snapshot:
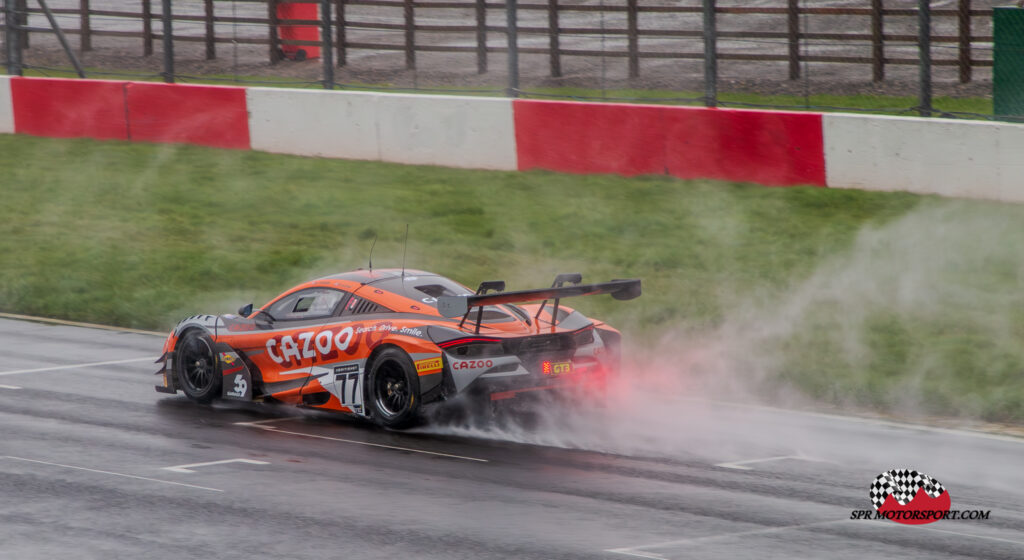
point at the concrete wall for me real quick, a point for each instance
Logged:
(935, 156)
(6, 107)
(415, 129)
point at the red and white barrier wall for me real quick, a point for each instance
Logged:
(778, 148)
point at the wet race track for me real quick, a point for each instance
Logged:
(95, 464)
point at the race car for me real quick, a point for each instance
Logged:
(383, 343)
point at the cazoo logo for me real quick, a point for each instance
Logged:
(307, 346)
(473, 364)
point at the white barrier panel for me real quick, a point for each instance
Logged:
(446, 130)
(6, 106)
(452, 131)
(313, 123)
(934, 156)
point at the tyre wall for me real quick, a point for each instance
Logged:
(777, 148)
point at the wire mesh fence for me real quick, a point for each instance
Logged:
(898, 56)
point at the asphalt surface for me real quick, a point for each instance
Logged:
(87, 457)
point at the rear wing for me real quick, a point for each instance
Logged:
(460, 306)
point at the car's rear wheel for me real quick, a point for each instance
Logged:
(196, 367)
(394, 390)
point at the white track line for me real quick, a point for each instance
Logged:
(268, 421)
(9, 387)
(188, 468)
(636, 550)
(357, 442)
(112, 473)
(741, 465)
(77, 324)
(76, 366)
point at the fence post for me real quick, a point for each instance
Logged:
(924, 45)
(211, 44)
(22, 18)
(147, 28)
(481, 36)
(512, 33)
(85, 29)
(554, 45)
(710, 55)
(326, 49)
(168, 43)
(634, 39)
(11, 39)
(8, 33)
(964, 24)
(410, 35)
(877, 41)
(342, 37)
(793, 26)
(272, 39)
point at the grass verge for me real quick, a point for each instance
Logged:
(886, 300)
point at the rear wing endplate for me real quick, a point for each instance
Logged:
(459, 306)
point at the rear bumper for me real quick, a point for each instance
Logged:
(591, 381)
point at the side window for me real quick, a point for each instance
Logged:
(313, 303)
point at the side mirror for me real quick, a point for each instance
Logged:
(245, 310)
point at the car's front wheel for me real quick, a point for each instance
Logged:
(196, 367)
(394, 390)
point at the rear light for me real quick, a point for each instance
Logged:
(473, 347)
(470, 340)
(584, 336)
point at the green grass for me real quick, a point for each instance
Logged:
(875, 104)
(885, 300)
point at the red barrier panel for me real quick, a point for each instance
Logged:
(206, 115)
(62, 108)
(589, 137)
(765, 147)
(689, 142)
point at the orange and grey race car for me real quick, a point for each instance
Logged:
(382, 343)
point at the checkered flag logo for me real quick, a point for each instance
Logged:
(903, 484)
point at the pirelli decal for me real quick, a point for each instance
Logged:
(428, 366)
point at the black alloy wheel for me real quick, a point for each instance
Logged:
(196, 367)
(394, 390)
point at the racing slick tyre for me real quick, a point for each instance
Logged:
(196, 367)
(394, 390)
